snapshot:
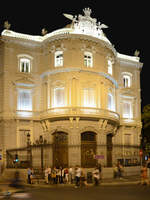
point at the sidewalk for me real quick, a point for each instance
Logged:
(105, 182)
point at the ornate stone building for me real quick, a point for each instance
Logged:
(72, 87)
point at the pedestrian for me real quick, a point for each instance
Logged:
(148, 170)
(54, 175)
(29, 173)
(120, 170)
(96, 176)
(70, 175)
(66, 175)
(115, 171)
(46, 175)
(49, 174)
(144, 179)
(77, 176)
(83, 181)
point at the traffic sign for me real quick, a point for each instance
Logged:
(141, 153)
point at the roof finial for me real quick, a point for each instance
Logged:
(44, 31)
(7, 25)
(87, 11)
(136, 53)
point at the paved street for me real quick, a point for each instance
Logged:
(126, 192)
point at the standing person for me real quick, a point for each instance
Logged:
(115, 171)
(70, 175)
(77, 176)
(54, 175)
(66, 175)
(144, 179)
(120, 170)
(46, 175)
(49, 174)
(96, 176)
(29, 173)
(148, 169)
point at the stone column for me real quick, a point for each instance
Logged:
(101, 146)
(74, 143)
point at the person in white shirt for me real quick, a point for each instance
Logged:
(77, 176)
(96, 176)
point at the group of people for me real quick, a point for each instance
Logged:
(72, 175)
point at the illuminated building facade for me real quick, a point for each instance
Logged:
(72, 87)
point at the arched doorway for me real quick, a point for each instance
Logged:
(88, 149)
(60, 149)
(109, 150)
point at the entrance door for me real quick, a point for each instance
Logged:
(60, 149)
(88, 149)
(109, 150)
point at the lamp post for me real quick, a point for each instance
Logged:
(41, 142)
(29, 153)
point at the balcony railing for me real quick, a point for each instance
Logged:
(80, 112)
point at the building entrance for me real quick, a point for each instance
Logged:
(109, 150)
(60, 149)
(88, 149)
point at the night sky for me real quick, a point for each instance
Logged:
(128, 23)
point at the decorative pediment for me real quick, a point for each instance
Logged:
(24, 82)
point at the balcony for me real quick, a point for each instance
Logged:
(82, 112)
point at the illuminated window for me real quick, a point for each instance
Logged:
(127, 110)
(111, 105)
(58, 58)
(59, 97)
(110, 67)
(88, 59)
(24, 100)
(25, 65)
(126, 81)
(89, 97)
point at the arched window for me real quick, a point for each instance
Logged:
(88, 59)
(58, 58)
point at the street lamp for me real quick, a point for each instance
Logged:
(29, 152)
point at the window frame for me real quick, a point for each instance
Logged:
(25, 57)
(20, 105)
(88, 59)
(59, 61)
(54, 104)
(109, 67)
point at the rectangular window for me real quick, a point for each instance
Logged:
(109, 67)
(59, 97)
(88, 60)
(25, 65)
(24, 100)
(111, 103)
(58, 58)
(126, 81)
(89, 97)
(127, 112)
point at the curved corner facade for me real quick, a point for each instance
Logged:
(76, 92)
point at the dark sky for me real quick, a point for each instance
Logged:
(128, 23)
